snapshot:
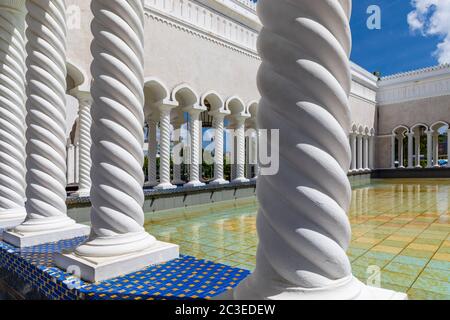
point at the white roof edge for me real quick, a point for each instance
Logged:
(363, 77)
(416, 75)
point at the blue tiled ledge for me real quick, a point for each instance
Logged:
(181, 279)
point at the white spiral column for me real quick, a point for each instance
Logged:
(85, 162)
(177, 180)
(194, 124)
(360, 152)
(429, 149)
(12, 113)
(366, 153)
(164, 147)
(353, 151)
(47, 219)
(410, 149)
(417, 150)
(304, 82)
(218, 125)
(152, 150)
(372, 152)
(435, 148)
(400, 151)
(393, 139)
(240, 148)
(118, 241)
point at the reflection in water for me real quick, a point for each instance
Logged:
(400, 226)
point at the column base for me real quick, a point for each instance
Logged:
(30, 239)
(101, 269)
(219, 182)
(151, 184)
(12, 218)
(10, 223)
(165, 186)
(240, 180)
(194, 184)
(345, 289)
(178, 182)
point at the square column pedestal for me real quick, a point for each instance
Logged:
(31, 239)
(101, 269)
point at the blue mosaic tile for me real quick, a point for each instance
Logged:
(184, 278)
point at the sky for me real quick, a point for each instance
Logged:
(413, 34)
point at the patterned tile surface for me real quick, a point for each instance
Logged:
(185, 278)
(400, 227)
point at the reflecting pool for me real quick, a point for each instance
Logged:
(400, 234)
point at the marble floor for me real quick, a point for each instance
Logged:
(401, 234)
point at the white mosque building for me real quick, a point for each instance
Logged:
(201, 56)
(192, 65)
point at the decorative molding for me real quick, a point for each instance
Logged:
(418, 72)
(189, 16)
(414, 90)
(216, 40)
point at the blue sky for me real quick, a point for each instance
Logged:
(394, 48)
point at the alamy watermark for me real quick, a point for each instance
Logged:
(261, 147)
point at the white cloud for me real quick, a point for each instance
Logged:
(432, 18)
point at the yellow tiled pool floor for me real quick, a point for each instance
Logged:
(401, 228)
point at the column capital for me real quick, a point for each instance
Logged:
(220, 114)
(195, 110)
(167, 106)
(84, 98)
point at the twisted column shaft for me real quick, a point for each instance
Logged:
(366, 152)
(353, 151)
(176, 166)
(418, 151)
(12, 112)
(393, 151)
(46, 117)
(152, 150)
(360, 151)
(372, 152)
(218, 125)
(400, 152)
(164, 149)
(436, 149)
(429, 149)
(117, 137)
(305, 82)
(410, 150)
(194, 124)
(85, 162)
(240, 148)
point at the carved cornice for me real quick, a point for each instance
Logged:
(415, 85)
(417, 72)
(176, 23)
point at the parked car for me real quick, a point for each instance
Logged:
(443, 162)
